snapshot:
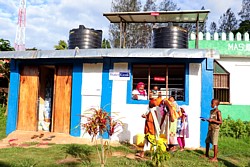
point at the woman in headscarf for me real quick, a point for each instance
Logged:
(140, 93)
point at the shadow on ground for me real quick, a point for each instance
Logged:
(225, 162)
(3, 164)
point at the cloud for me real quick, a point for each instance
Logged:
(49, 21)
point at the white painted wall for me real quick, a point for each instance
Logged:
(194, 108)
(91, 88)
(130, 114)
(239, 79)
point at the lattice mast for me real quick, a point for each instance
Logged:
(21, 24)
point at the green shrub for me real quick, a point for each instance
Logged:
(236, 129)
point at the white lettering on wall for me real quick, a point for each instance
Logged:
(239, 47)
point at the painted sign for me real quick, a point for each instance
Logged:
(124, 74)
(119, 75)
(159, 79)
(225, 48)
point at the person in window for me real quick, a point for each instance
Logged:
(155, 90)
(139, 93)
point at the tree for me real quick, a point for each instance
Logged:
(228, 21)
(132, 34)
(243, 27)
(5, 67)
(213, 28)
(62, 45)
(149, 5)
(5, 45)
(245, 10)
(146, 28)
(34, 48)
(105, 43)
(4, 63)
(168, 5)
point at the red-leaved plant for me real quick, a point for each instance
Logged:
(100, 122)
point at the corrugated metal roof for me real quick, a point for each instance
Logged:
(181, 16)
(101, 53)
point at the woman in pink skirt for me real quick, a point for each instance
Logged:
(182, 129)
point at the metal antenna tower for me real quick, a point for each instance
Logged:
(20, 31)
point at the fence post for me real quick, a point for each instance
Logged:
(192, 36)
(246, 36)
(223, 36)
(231, 36)
(200, 36)
(238, 36)
(208, 36)
(216, 36)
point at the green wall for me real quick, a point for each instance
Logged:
(241, 112)
(232, 48)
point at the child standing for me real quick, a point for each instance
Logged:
(215, 121)
(182, 129)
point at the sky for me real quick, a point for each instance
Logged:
(48, 21)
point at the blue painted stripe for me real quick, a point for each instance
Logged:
(76, 100)
(13, 97)
(206, 97)
(106, 97)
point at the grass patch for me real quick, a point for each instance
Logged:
(232, 153)
(2, 123)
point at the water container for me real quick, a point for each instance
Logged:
(85, 38)
(140, 140)
(170, 37)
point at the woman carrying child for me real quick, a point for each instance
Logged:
(169, 121)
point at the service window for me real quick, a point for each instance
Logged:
(169, 80)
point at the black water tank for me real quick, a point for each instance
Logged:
(170, 37)
(85, 38)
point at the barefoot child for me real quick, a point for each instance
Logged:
(215, 121)
(182, 129)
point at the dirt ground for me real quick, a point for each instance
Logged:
(42, 139)
(46, 139)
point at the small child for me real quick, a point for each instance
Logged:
(215, 121)
(182, 129)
